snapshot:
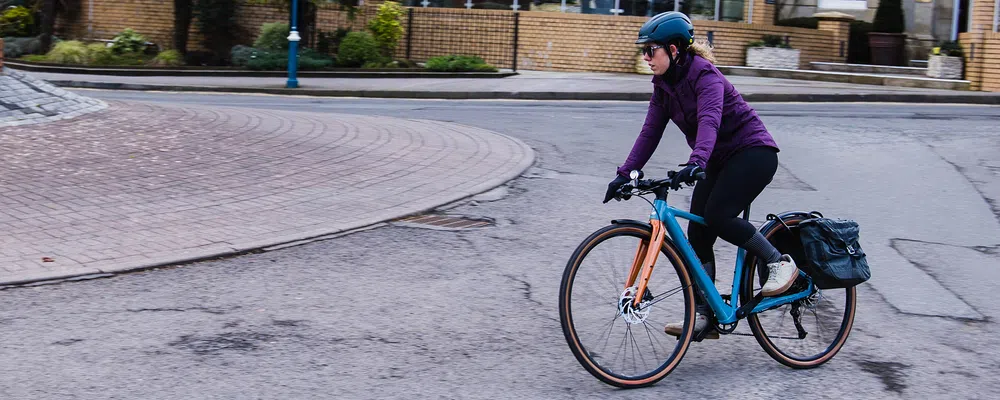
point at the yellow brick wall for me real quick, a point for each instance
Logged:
(485, 33)
(251, 17)
(731, 38)
(572, 42)
(841, 36)
(982, 15)
(154, 19)
(577, 42)
(973, 60)
(547, 41)
(990, 62)
(439, 31)
(763, 13)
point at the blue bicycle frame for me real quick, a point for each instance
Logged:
(724, 313)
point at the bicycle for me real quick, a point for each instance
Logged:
(632, 301)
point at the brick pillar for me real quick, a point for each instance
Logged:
(840, 24)
(763, 13)
(972, 53)
(982, 15)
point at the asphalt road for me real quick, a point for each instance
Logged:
(405, 311)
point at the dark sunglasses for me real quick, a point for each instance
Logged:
(648, 50)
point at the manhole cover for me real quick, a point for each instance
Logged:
(444, 222)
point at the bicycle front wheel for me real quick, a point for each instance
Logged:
(618, 344)
(809, 332)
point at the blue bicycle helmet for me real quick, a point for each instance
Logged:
(667, 27)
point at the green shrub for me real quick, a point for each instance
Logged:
(100, 54)
(17, 21)
(948, 48)
(889, 17)
(128, 42)
(769, 41)
(800, 22)
(69, 52)
(459, 63)
(277, 61)
(858, 51)
(132, 59)
(386, 63)
(216, 19)
(169, 58)
(268, 62)
(329, 42)
(38, 58)
(356, 49)
(406, 64)
(14, 47)
(273, 36)
(386, 26)
(308, 63)
(240, 55)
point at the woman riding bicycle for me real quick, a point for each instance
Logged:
(729, 144)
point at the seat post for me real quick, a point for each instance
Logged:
(746, 213)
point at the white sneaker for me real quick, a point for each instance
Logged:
(781, 275)
(700, 323)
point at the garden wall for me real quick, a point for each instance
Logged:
(545, 40)
(981, 51)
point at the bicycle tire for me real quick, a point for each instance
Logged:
(772, 231)
(668, 253)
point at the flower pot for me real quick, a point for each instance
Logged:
(773, 57)
(887, 48)
(944, 67)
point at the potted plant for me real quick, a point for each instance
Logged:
(887, 40)
(945, 62)
(772, 52)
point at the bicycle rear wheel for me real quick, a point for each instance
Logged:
(825, 318)
(617, 344)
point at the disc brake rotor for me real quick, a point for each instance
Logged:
(629, 313)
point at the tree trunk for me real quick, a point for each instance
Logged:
(48, 23)
(182, 24)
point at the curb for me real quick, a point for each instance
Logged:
(188, 256)
(239, 73)
(848, 77)
(982, 99)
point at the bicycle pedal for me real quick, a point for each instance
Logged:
(708, 333)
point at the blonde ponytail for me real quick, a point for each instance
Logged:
(702, 48)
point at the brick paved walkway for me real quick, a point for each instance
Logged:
(25, 100)
(139, 185)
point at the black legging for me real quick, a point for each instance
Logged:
(725, 192)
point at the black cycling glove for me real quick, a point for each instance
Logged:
(614, 186)
(688, 175)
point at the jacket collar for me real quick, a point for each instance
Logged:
(678, 73)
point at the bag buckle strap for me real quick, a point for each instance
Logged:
(850, 250)
(773, 217)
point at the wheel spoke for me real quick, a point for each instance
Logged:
(616, 346)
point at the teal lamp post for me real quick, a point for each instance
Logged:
(293, 48)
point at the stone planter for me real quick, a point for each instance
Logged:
(944, 67)
(772, 57)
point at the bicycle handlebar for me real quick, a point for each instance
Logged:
(642, 186)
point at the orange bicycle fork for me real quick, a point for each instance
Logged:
(645, 258)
